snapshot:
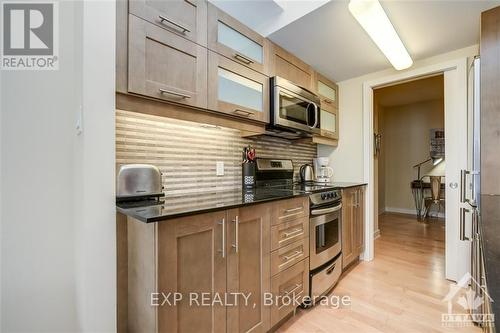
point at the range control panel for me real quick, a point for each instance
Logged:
(321, 198)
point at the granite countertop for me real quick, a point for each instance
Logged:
(178, 205)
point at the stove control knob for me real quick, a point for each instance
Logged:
(323, 196)
(330, 195)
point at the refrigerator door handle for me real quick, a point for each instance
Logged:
(463, 211)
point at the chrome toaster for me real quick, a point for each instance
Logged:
(138, 181)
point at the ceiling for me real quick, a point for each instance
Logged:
(422, 90)
(331, 40)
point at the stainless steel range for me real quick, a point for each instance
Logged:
(325, 221)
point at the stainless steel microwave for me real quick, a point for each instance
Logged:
(293, 109)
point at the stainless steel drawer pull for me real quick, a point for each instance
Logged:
(296, 254)
(294, 232)
(164, 91)
(180, 26)
(463, 211)
(243, 113)
(291, 210)
(294, 289)
(242, 58)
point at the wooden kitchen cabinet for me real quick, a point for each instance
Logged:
(237, 90)
(166, 66)
(234, 40)
(248, 267)
(326, 89)
(352, 224)
(288, 66)
(191, 259)
(187, 19)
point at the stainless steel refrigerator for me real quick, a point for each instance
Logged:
(471, 228)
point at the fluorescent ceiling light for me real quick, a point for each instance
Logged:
(371, 16)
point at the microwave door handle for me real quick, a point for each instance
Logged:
(315, 115)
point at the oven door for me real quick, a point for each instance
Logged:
(324, 235)
(294, 111)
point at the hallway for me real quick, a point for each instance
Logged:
(401, 290)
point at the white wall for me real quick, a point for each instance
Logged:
(347, 159)
(56, 193)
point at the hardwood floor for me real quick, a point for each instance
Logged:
(401, 290)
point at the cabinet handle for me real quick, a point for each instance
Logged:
(295, 232)
(294, 289)
(177, 25)
(462, 224)
(463, 181)
(290, 210)
(296, 254)
(243, 113)
(236, 235)
(243, 59)
(328, 101)
(223, 222)
(164, 91)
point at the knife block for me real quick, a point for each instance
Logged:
(248, 174)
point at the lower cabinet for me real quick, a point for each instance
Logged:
(353, 222)
(214, 272)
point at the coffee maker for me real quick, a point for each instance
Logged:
(322, 171)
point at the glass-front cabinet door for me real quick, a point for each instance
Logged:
(327, 90)
(236, 89)
(236, 41)
(329, 122)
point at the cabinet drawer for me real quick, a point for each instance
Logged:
(288, 232)
(288, 210)
(231, 38)
(236, 89)
(184, 18)
(329, 121)
(165, 66)
(293, 282)
(289, 255)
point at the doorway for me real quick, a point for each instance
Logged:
(409, 130)
(457, 252)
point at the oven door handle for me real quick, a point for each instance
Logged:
(326, 210)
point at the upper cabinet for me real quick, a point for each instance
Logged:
(231, 38)
(326, 89)
(288, 66)
(186, 18)
(236, 89)
(164, 65)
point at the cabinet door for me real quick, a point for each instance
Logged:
(248, 272)
(184, 18)
(348, 217)
(327, 90)
(192, 259)
(360, 221)
(329, 121)
(288, 66)
(165, 66)
(237, 90)
(231, 38)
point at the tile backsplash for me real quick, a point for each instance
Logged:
(187, 152)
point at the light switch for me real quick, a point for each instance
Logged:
(219, 170)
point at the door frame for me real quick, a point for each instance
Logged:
(455, 91)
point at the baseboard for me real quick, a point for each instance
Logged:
(376, 234)
(409, 211)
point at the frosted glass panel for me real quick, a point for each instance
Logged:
(238, 42)
(327, 91)
(239, 90)
(328, 121)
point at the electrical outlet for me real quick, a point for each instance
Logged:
(219, 168)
